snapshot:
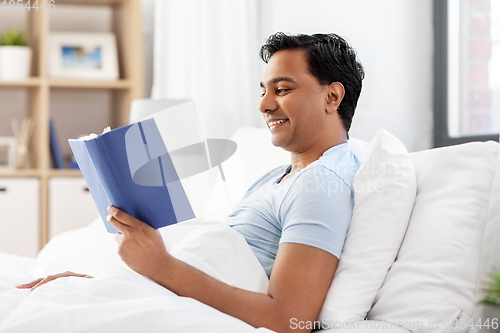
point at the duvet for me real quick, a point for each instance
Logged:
(118, 299)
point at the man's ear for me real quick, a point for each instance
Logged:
(335, 95)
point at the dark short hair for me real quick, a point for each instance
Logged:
(331, 59)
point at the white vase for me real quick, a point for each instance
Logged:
(15, 62)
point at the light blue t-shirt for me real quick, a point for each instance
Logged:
(313, 206)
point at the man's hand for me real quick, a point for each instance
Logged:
(298, 285)
(38, 282)
(141, 246)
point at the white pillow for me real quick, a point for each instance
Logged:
(384, 193)
(433, 281)
(359, 148)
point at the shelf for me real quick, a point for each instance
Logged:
(91, 84)
(29, 82)
(64, 173)
(89, 2)
(68, 83)
(48, 97)
(38, 173)
(20, 173)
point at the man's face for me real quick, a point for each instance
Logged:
(293, 102)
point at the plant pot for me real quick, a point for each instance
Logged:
(492, 313)
(15, 62)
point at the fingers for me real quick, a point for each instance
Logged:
(39, 282)
(68, 274)
(29, 285)
(123, 217)
(121, 220)
(117, 224)
(119, 237)
(44, 281)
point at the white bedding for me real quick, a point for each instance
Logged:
(118, 299)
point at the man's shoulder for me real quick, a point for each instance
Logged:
(321, 186)
(337, 163)
(332, 174)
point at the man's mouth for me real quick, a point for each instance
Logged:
(276, 122)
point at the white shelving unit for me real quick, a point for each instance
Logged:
(40, 88)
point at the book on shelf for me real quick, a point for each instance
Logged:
(138, 167)
(55, 148)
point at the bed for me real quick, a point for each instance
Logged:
(431, 272)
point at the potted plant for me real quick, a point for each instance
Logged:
(491, 301)
(15, 56)
(492, 292)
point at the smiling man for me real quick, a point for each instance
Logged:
(310, 89)
(294, 218)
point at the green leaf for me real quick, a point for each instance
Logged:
(13, 38)
(492, 291)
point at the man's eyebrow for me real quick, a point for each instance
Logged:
(278, 79)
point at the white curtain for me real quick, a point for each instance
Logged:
(207, 51)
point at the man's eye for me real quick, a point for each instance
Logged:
(262, 94)
(280, 91)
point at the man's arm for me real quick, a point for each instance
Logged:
(298, 285)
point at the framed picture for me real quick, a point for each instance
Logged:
(7, 152)
(90, 56)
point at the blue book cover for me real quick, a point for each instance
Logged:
(131, 169)
(54, 147)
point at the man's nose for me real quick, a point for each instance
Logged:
(267, 103)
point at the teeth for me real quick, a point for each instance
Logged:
(276, 122)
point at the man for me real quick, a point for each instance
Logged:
(295, 218)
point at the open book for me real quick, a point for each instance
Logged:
(137, 168)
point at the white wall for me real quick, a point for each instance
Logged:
(394, 40)
(148, 35)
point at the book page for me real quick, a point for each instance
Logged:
(93, 135)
